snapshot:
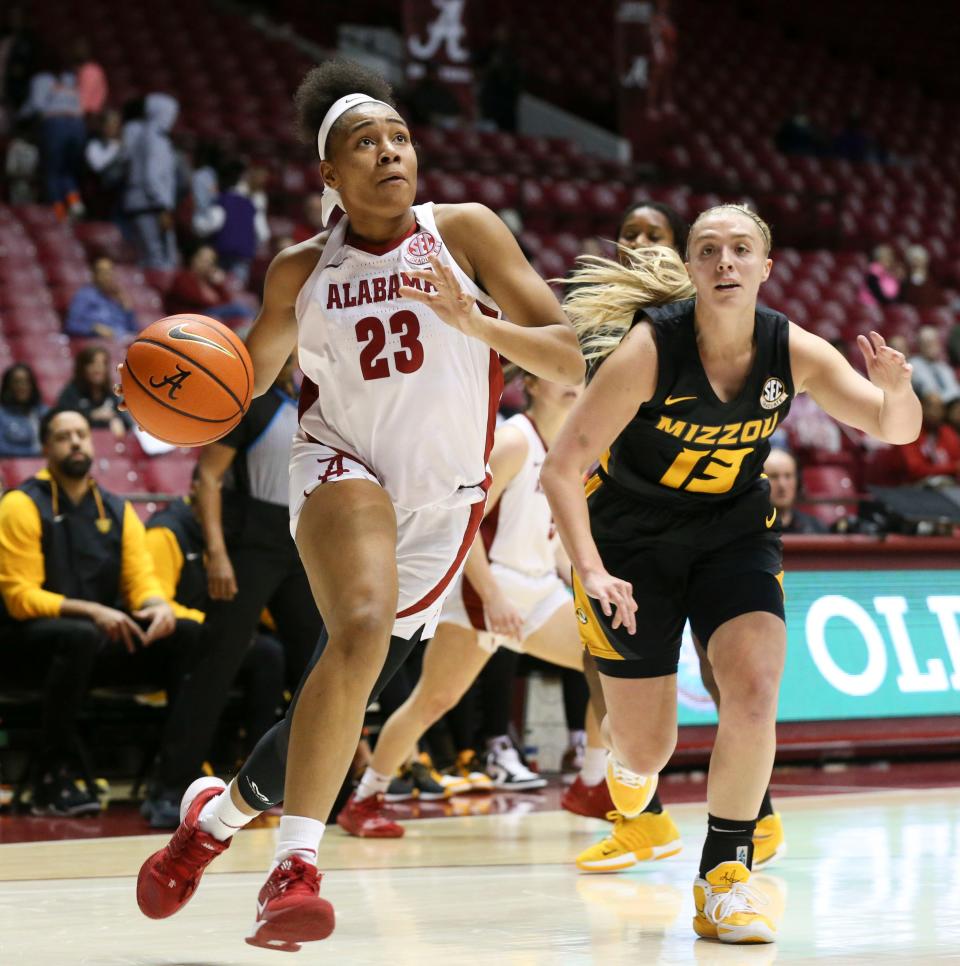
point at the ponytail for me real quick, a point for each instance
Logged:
(605, 296)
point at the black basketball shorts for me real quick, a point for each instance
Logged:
(707, 565)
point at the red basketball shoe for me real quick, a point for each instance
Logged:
(169, 878)
(365, 818)
(289, 908)
(590, 800)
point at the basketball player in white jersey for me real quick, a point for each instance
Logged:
(509, 595)
(397, 323)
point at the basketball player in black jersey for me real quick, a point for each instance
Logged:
(693, 378)
(653, 835)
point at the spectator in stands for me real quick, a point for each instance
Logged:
(798, 135)
(935, 453)
(79, 594)
(809, 427)
(253, 185)
(953, 415)
(781, 470)
(18, 41)
(91, 78)
(150, 193)
(663, 60)
(208, 216)
(919, 287)
(884, 278)
(55, 101)
(107, 164)
(90, 392)
(21, 410)
(500, 81)
(236, 241)
(101, 309)
(22, 162)
(312, 223)
(202, 288)
(931, 372)
(431, 101)
(853, 143)
(175, 542)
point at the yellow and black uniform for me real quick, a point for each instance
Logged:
(52, 549)
(680, 507)
(175, 542)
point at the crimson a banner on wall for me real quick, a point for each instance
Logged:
(437, 40)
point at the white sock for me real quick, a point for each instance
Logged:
(372, 783)
(300, 836)
(577, 739)
(594, 768)
(499, 743)
(221, 818)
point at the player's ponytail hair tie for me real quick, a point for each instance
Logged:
(331, 197)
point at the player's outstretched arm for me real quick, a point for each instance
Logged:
(883, 405)
(626, 380)
(274, 333)
(538, 336)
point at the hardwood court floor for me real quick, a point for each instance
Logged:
(870, 877)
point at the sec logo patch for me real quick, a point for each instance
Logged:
(774, 393)
(421, 247)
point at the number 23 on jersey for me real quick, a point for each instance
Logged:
(375, 363)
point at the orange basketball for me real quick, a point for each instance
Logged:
(187, 380)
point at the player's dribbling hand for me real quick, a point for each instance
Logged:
(502, 617)
(612, 592)
(887, 368)
(449, 301)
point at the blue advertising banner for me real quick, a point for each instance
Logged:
(860, 644)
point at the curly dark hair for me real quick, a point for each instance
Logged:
(676, 221)
(6, 387)
(326, 84)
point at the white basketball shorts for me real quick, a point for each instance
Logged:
(432, 543)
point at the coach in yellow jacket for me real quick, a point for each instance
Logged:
(78, 591)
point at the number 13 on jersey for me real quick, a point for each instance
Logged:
(372, 334)
(716, 470)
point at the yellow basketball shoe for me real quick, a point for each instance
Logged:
(630, 792)
(769, 843)
(727, 907)
(641, 839)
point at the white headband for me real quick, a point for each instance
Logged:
(331, 197)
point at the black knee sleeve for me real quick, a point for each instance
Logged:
(262, 776)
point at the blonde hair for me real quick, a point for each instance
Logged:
(606, 295)
(741, 209)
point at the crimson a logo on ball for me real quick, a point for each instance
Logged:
(421, 247)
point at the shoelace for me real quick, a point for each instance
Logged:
(291, 876)
(740, 898)
(187, 855)
(629, 778)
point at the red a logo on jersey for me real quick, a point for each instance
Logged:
(334, 467)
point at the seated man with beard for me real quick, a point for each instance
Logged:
(79, 601)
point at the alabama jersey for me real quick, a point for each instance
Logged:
(519, 532)
(387, 382)
(520, 540)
